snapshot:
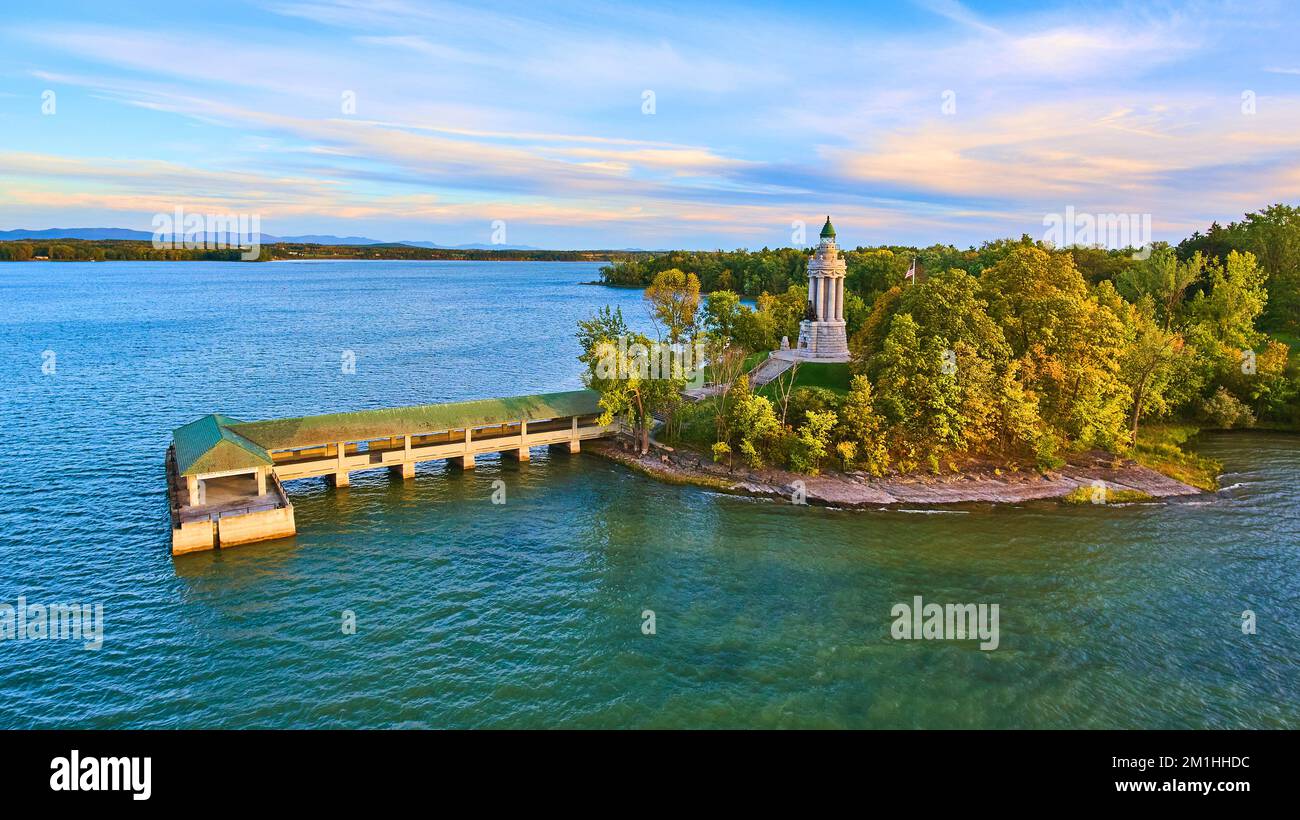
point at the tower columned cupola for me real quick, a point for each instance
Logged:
(821, 333)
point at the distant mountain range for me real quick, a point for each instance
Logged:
(266, 238)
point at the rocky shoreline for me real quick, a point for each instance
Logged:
(974, 483)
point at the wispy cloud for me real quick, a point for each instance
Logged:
(955, 11)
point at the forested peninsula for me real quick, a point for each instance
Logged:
(1014, 361)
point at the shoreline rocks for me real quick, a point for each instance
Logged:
(854, 489)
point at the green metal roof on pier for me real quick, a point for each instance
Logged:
(208, 445)
(214, 441)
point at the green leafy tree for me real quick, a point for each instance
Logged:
(1162, 278)
(1068, 337)
(1147, 361)
(752, 427)
(721, 314)
(1226, 411)
(785, 311)
(1260, 379)
(918, 398)
(674, 298)
(949, 305)
(1018, 425)
(619, 367)
(870, 273)
(1236, 298)
(847, 451)
(1031, 293)
(812, 441)
(862, 427)
(1273, 235)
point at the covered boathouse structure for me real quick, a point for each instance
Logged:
(224, 475)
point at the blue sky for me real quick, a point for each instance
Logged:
(536, 114)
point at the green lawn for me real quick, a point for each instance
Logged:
(833, 377)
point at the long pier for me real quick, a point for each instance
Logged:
(224, 476)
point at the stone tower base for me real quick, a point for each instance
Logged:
(822, 341)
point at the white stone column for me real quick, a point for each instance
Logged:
(839, 298)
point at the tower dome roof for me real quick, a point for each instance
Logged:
(828, 230)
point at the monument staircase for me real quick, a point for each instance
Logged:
(769, 370)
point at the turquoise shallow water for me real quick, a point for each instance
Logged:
(528, 614)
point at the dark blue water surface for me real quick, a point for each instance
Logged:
(529, 613)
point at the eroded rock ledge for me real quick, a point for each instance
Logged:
(974, 483)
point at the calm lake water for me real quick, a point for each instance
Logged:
(529, 614)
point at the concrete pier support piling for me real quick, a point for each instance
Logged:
(520, 454)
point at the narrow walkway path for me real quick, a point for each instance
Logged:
(769, 370)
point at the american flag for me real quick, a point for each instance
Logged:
(911, 272)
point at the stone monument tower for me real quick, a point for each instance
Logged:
(821, 333)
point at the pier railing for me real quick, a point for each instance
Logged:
(217, 515)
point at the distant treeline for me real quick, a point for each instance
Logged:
(101, 250)
(294, 250)
(871, 271)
